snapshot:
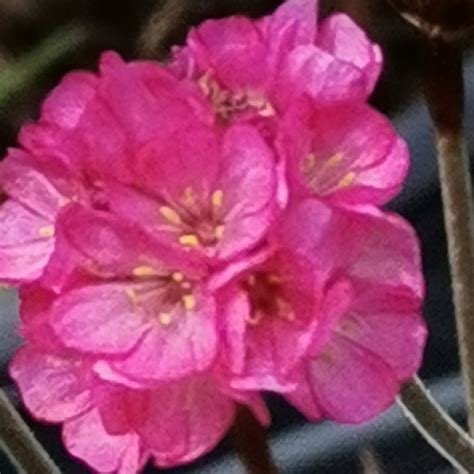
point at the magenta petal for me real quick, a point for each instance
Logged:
(233, 49)
(249, 184)
(397, 337)
(341, 37)
(85, 437)
(351, 384)
(99, 319)
(186, 419)
(66, 104)
(53, 388)
(187, 345)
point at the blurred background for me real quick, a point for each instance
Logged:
(40, 40)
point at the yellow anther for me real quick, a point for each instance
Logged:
(189, 240)
(143, 271)
(46, 231)
(334, 160)
(178, 277)
(217, 198)
(165, 319)
(267, 110)
(170, 215)
(347, 180)
(131, 295)
(219, 232)
(189, 302)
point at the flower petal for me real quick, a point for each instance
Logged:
(184, 345)
(100, 319)
(85, 438)
(350, 384)
(53, 388)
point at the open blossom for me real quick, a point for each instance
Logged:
(254, 68)
(113, 423)
(370, 336)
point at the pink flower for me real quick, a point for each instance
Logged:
(344, 154)
(370, 336)
(253, 69)
(113, 423)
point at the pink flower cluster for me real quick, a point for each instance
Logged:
(187, 236)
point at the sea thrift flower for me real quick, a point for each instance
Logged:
(370, 335)
(344, 154)
(255, 69)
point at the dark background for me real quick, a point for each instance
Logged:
(298, 447)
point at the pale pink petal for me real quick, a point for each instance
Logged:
(187, 344)
(86, 439)
(100, 319)
(53, 388)
(349, 383)
(341, 37)
(26, 243)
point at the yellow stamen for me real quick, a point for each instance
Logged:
(189, 302)
(267, 110)
(143, 271)
(189, 240)
(47, 231)
(217, 197)
(170, 215)
(334, 160)
(219, 232)
(178, 277)
(347, 180)
(165, 319)
(132, 295)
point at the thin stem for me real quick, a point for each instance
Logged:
(20, 74)
(444, 92)
(20, 444)
(161, 23)
(251, 443)
(436, 426)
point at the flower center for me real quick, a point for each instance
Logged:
(266, 297)
(173, 291)
(228, 104)
(197, 222)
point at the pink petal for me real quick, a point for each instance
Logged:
(355, 158)
(349, 383)
(99, 319)
(249, 183)
(66, 104)
(22, 180)
(53, 388)
(397, 337)
(187, 345)
(186, 419)
(233, 49)
(341, 37)
(26, 243)
(86, 439)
